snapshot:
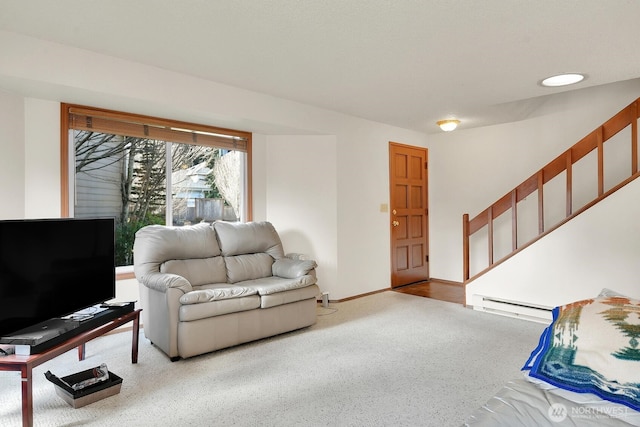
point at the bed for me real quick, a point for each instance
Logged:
(585, 370)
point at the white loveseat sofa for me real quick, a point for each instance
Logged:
(210, 286)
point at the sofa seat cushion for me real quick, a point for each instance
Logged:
(191, 312)
(215, 292)
(274, 284)
(286, 297)
(278, 290)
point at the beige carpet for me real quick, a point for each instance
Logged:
(388, 359)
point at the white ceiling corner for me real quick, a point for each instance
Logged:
(407, 63)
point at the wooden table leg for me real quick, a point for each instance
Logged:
(81, 352)
(136, 335)
(27, 396)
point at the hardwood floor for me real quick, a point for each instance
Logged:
(443, 291)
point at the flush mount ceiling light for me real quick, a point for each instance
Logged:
(562, 80)
(448, 125)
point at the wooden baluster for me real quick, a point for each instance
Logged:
(569, 188)
(634, 139)
(514, 220)
(600, 161)
(490, 233)
(465, 247)
(540, 202)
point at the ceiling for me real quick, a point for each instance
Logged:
(407, 63)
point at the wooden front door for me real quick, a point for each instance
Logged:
(409, 214)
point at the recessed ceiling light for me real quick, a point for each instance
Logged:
(562, 79)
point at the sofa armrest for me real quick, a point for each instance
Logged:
(297, 256)
(289, 268)
(163, 281)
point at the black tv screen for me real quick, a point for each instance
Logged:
(50, 268)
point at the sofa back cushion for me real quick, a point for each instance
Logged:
(248, 267)
(197, 271)
(155, 244)
(236, 238)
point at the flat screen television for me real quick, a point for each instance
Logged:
(50, 268)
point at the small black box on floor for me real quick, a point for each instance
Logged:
(85, 396)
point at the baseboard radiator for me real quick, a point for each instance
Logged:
(518, 309)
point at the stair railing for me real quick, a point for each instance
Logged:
(563, 163)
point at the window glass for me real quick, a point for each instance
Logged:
(143, 181)
(206, 184)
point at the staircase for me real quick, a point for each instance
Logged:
(588, 172)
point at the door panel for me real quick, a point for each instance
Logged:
(409, 214)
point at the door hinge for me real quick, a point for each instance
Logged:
(426, 165)
(426, 258)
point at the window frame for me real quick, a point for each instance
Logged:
(164, 126)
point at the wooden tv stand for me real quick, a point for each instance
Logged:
(25, 364)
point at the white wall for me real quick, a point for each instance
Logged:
(41, 154)
(301, 199)
(318, 175)
(347, 232)
(12, 160)
(598, 249)
(471, 169)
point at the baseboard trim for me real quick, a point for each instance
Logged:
(359, 295)
(441, 281)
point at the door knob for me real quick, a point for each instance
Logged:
(395, 223)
